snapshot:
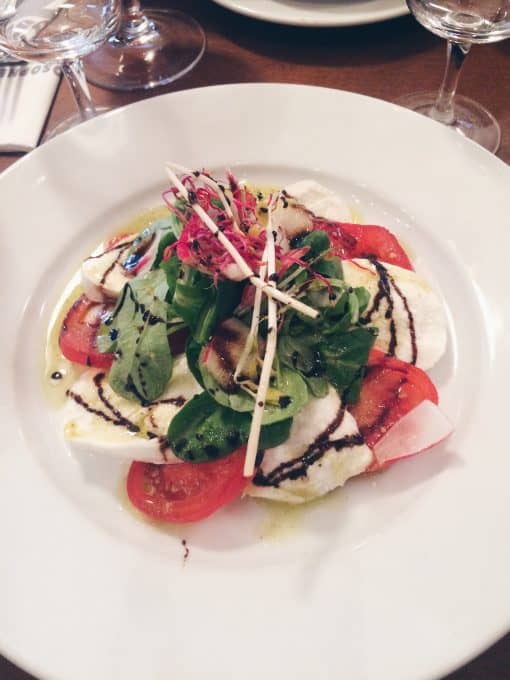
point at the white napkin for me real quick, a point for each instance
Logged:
(26, 94)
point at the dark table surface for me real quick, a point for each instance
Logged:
(383, 60)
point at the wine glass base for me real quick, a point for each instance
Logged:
(172, 46)
(69, 123)
(471, 119)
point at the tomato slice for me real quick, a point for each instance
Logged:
(364, 240)
(391, 388)
(186, 492)
(78, 333)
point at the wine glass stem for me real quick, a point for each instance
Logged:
(73, 71)
(132, 9)
(456, 54)
(134, 23)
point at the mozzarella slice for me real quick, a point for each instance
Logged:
(319, 200)
(102, 274)
(403, 298)
(301, 202)
(323, 451)
(97, 420)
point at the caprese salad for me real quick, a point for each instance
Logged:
(250, 343)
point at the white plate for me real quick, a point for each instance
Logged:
(398, 577)
(318, 12)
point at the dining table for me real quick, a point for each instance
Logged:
(384, 60)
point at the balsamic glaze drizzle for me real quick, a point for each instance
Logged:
(117, 418)
(298, 467)
(108, 271)
(410, 317)
(122, 420)
(121, 247)
(385, 284)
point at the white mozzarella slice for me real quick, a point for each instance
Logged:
(328, 466)
(102, 274)
(417, 311)
(291, 219)
(302, 202)
(103, 425)
(319, 200)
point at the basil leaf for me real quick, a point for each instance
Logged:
(345, 356)
(286, 396)
(203, 430)
(299, 352)
(136, 332)
(329, 266)
(317, 242)
(172, 268)
(334, 347)
(223, 299)
(363, 298)
(203, 305)
(318, 386)
(193, 350)
(191, 291)
(172, 225)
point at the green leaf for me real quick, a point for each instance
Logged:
(329, 266)
(172, 268)
(345, 356)
(299, 352)
(193, 350)
(287, 395)
(318, 386)
(334, 347)
(316, 241)
(363, 298)
(203, 305)
(193, 289)
(136, 332)
(172, 226)
(223, 299)
(203, 430)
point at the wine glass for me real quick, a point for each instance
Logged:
(151, 48)
(61, 32)
(461, 23)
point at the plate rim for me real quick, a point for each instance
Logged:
(493, 638)
(322, 21)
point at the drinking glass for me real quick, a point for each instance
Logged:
(61, 32)
(151, 48)
(461, 23)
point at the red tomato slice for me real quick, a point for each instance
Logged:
(364, 240)
(391, 388)
(186, 492)
(78, 333)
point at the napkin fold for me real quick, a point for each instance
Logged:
(26, 95)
